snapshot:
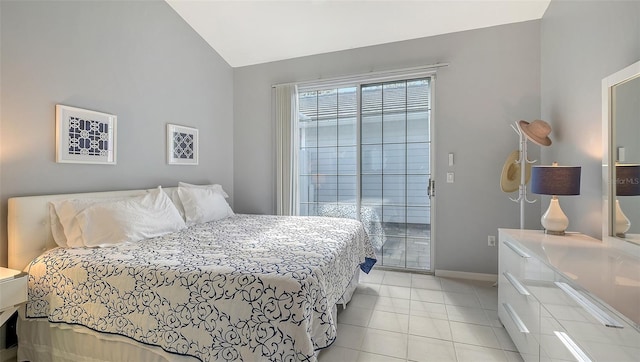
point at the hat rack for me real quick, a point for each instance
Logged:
(523, 161)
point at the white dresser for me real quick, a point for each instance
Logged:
(568, 298)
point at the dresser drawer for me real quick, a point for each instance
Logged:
(513, 258)
(13, 290)
(599, 331)
(525, 305)
(555, 343)
(525, 341)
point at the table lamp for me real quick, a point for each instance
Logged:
(627, 184)
(555, 180)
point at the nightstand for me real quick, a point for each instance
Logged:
(13, 292)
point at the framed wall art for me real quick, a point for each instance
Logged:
(182, 145)
(84, 136)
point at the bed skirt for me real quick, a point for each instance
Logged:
(39, 340)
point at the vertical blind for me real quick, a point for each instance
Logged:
(286, 116)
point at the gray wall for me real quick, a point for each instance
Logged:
(138, 60)
(493, 80)
(583, 42)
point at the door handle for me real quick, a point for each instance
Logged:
(431, 190)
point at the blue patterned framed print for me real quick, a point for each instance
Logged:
(182, 145)
(84, 136)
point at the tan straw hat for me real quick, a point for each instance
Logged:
(510, 178)
(537, 131)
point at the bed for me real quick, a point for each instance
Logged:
(368, 215)
(245, 287)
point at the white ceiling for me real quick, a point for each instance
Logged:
(260, 31)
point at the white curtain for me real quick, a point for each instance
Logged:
(286, 114)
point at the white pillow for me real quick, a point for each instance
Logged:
(203, 204)
(214, 187)
(66, 211)
(173, 195)
(130, 220)
(56, 227)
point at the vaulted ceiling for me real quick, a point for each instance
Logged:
(253, 32)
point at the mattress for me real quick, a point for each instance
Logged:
(249, 287)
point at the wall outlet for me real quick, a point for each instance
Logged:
(491, 240)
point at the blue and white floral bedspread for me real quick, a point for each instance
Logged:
(249, 287)
(368, 216)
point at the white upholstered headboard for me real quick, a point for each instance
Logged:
(29, 224)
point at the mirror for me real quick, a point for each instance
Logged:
(621, 156)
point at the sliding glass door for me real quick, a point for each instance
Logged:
(365, 153)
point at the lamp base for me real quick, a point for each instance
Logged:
(551, 232)
(554, 221)
(622, 223)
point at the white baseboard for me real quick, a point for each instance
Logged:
(467, 275)
(9, 354)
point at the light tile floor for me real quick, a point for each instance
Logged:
(395, 316)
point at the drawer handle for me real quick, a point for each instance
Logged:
(596, 312)
(576, 351)
(515, 318)
(516, 284)
(516, 249)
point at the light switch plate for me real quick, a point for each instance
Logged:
(450, 177)
(621, 154)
